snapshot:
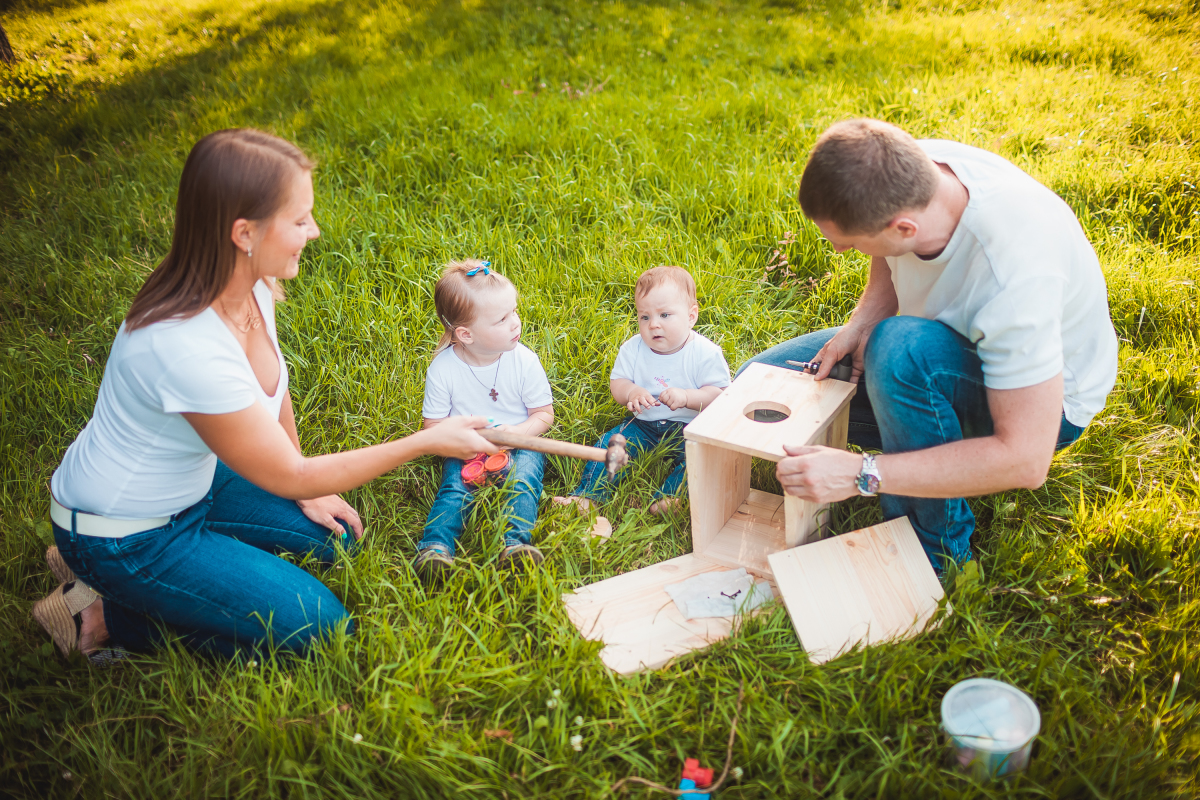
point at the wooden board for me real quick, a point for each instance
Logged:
(718, 482)
(640, 625)
(812, 406)
(752, 532)
(869, 586)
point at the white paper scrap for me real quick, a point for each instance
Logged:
(719, 594)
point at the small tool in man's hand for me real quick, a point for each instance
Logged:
(841, 371)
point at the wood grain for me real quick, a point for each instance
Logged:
(813, 406)
(640, 625)
(870, 586)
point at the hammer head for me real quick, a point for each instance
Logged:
(616, 458)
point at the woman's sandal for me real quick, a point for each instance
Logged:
(58, 566)
(61, 614)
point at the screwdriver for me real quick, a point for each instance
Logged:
(841, 371)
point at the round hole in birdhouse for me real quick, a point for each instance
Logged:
(767, 411)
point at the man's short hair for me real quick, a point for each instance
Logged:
(678, 277)
(862, 173)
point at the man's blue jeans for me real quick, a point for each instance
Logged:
(454, 499)
(923, 387)
(211, 575)
(642, 436)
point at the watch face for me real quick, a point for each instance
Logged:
(872, 482)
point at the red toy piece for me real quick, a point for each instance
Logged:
(694, 772)
(483, 468)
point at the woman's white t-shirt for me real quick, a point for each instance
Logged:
(138, 457)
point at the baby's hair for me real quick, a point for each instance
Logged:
(678, 277)
(456, 293)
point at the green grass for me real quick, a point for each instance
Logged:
(575, 144)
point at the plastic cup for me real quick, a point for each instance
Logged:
(991, 725)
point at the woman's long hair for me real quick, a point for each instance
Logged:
(229, 175)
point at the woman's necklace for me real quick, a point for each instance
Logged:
(252, 321)
(492, 393)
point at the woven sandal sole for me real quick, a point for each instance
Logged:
(56, 613)
(58, 566)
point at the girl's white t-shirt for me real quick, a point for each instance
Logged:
(697, 364)
(454, 388)
(138, 457)
(1020, 280)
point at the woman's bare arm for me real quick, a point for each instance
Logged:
(258, 448)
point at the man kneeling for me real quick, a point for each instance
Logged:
(982, 342)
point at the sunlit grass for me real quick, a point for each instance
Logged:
(574, 145)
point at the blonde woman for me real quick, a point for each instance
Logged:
(175, 500)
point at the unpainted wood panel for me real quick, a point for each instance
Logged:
(869, 586)
(640, 625)
(813, 406)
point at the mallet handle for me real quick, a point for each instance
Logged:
(552, 446)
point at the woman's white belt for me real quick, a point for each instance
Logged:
(96, 525)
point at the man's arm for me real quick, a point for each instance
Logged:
(878, 302)
(1016, 456)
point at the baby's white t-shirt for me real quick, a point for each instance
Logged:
(697, 364)
(138, 457)
(454, 388)
(1020, 280)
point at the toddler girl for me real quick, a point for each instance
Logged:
(480, 368)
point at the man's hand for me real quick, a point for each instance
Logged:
(638, 400)
(674, 398)
(850, 340)
(325, 510)
(819, 474)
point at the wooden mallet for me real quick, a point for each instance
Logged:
(613, 457)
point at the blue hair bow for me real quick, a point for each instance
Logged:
(484, 266)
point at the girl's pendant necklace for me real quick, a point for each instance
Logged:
(492, 393)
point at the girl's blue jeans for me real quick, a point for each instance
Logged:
(447, 516)
(212, 575)
(923, 387)
(642, 436)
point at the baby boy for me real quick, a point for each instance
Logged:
(665, 376)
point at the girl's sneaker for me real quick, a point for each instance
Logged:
(520, 556)
(433, 563)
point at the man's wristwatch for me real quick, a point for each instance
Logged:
(868, 477)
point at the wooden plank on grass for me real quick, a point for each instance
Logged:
(868, 586)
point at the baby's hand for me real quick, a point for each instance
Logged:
(639, 400)
(673, 398)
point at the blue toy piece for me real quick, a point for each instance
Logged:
(688, 783)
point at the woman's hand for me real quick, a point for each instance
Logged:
(325, 511)
(455, 437)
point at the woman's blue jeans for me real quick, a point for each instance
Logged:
(641, 436)
(211, 575)
(447, 516)
(923, 387)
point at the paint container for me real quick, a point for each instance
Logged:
(484, 469)
(991, 725)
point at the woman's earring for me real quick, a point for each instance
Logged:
(248, 253)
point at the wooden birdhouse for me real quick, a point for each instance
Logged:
(765, 408)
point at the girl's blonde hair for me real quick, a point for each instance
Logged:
(455, 297)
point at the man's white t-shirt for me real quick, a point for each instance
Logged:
(138, 457)
(1020, 280)
(454, 388)
(697, 364)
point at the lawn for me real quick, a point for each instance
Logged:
(574, 144)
